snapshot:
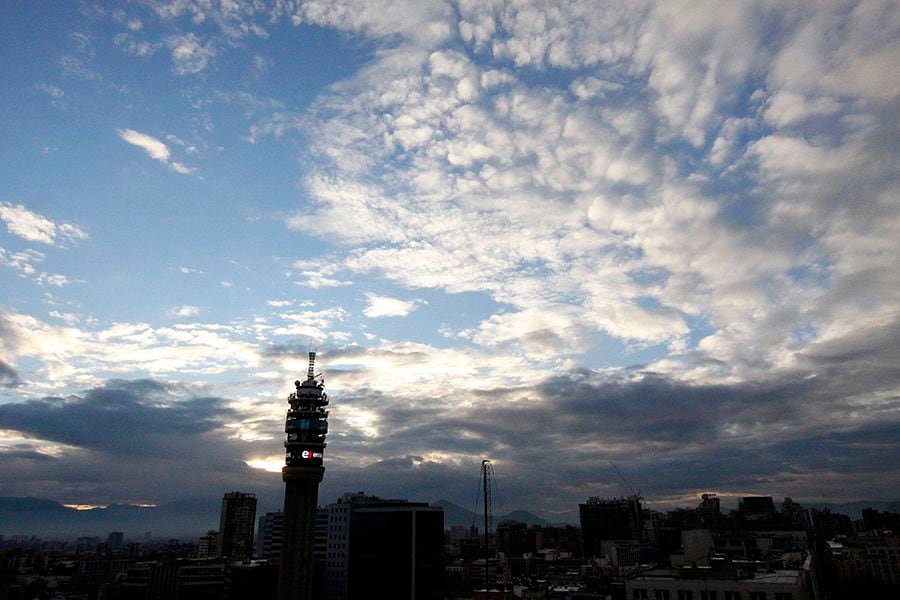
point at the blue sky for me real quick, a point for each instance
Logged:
(549, 234)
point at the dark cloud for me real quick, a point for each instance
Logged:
(8, 376)
(829, 429)
(129, 441)
(123, 417)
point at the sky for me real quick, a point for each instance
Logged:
(556, 235)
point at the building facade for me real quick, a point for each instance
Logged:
(617, 519)
(268, 536)
(368, 538)
(236, 524)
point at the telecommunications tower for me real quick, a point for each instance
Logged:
(306, 426)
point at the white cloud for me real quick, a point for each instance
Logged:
(51, 90)
(34, 227)
(186, 310)
(69, 355)
(385, 306)
(316, 280)
(155, 149)
(312, 324)
(189, 55)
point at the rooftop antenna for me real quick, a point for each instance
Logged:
(310, 374)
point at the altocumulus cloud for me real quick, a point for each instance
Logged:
(712, 183)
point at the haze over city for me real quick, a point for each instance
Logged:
(554, 235)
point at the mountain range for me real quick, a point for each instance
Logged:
(189, 519)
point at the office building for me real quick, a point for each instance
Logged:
(268, 536)
(369, 537)
(236, 524)
(208, 545)
(616, 519)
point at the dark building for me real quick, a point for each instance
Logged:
(876, 520)
(256, 580)
(236, 523)
(616, 519)
(115, 540)
(757, 511)
(396, 551)
(305, 426)
(379, 548)
(709, 511)
(514, 539)
(268, 536)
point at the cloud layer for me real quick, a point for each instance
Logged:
(679, 221)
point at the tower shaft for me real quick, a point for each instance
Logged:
(301, 494)
(306, 427)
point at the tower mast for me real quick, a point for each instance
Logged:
(305, 426)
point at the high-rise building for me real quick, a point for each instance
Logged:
(268, 536)
(709, 512)
(616, 519)
(236, 523)
(369, 538)
(115, 540)
(306, 426)
(208, 545)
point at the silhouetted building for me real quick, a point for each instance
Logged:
(828, 525)
(305, 427)
(320, 553)
(208, 545)
(115, 541)
(723, 579)
(256, 580)
(863, 567)
(268, 536)
(876, 520)
(513, 539)
(384, 549)
(609, 519)
(757, 511)
(709, 512)
(236, 526)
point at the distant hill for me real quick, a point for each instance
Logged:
(50, 519)
(457, 515)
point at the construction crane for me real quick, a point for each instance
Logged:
(628, 485)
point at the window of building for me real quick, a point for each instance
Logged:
(757, 596)
(685, 595)
(639, 594)
(707, 595)
(783, 596)
(732, 596)
(662, 594)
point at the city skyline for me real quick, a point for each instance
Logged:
(554, 236)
